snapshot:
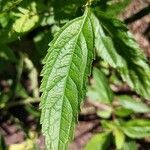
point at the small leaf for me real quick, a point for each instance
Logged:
(67, 66)
(129, 103)
(100, 90)
(138, 128)
(99, 142)
(104, 113)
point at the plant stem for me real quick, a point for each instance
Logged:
(29, 100)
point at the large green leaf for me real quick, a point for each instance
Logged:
(138, 128)
(99, 142)
(117, 47)
(100, 90)
(67, 65)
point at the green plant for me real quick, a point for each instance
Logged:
(94, 33)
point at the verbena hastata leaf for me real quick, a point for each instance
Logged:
(67, 65)
(117, 47)
(100, 90)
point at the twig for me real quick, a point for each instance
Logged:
(29, 100)
(138, 15)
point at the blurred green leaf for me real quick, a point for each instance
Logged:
(130, 103)
(32, 110)
(100, 90)
(41, 41)
(99, 141)
(104, 113)
(116, 129)
(119, 137)
(21, 92)
(117, 47)
(2, 143)
(4, 19)
(138, 128)
(130, 145)
(7, 53)
(115, 8)
(122, 112)
(27, 18)
(7, 5)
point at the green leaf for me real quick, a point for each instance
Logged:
(4, 19)
(138, 128)
(67, 65)
(122, 112)
(115, 8)
(119, 137)
(6, 53)
(129, 103)
(21, 92)
(7, 5)
(2, 143)
(117, 47)
(116, 129)
(27, 19)
(99, 142)
(131, 145)
(104, 113)
(100, 88)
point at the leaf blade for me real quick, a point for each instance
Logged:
(67, 66)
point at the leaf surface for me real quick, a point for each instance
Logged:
(67, 65)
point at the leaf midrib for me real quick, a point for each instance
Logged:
(70, 65)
